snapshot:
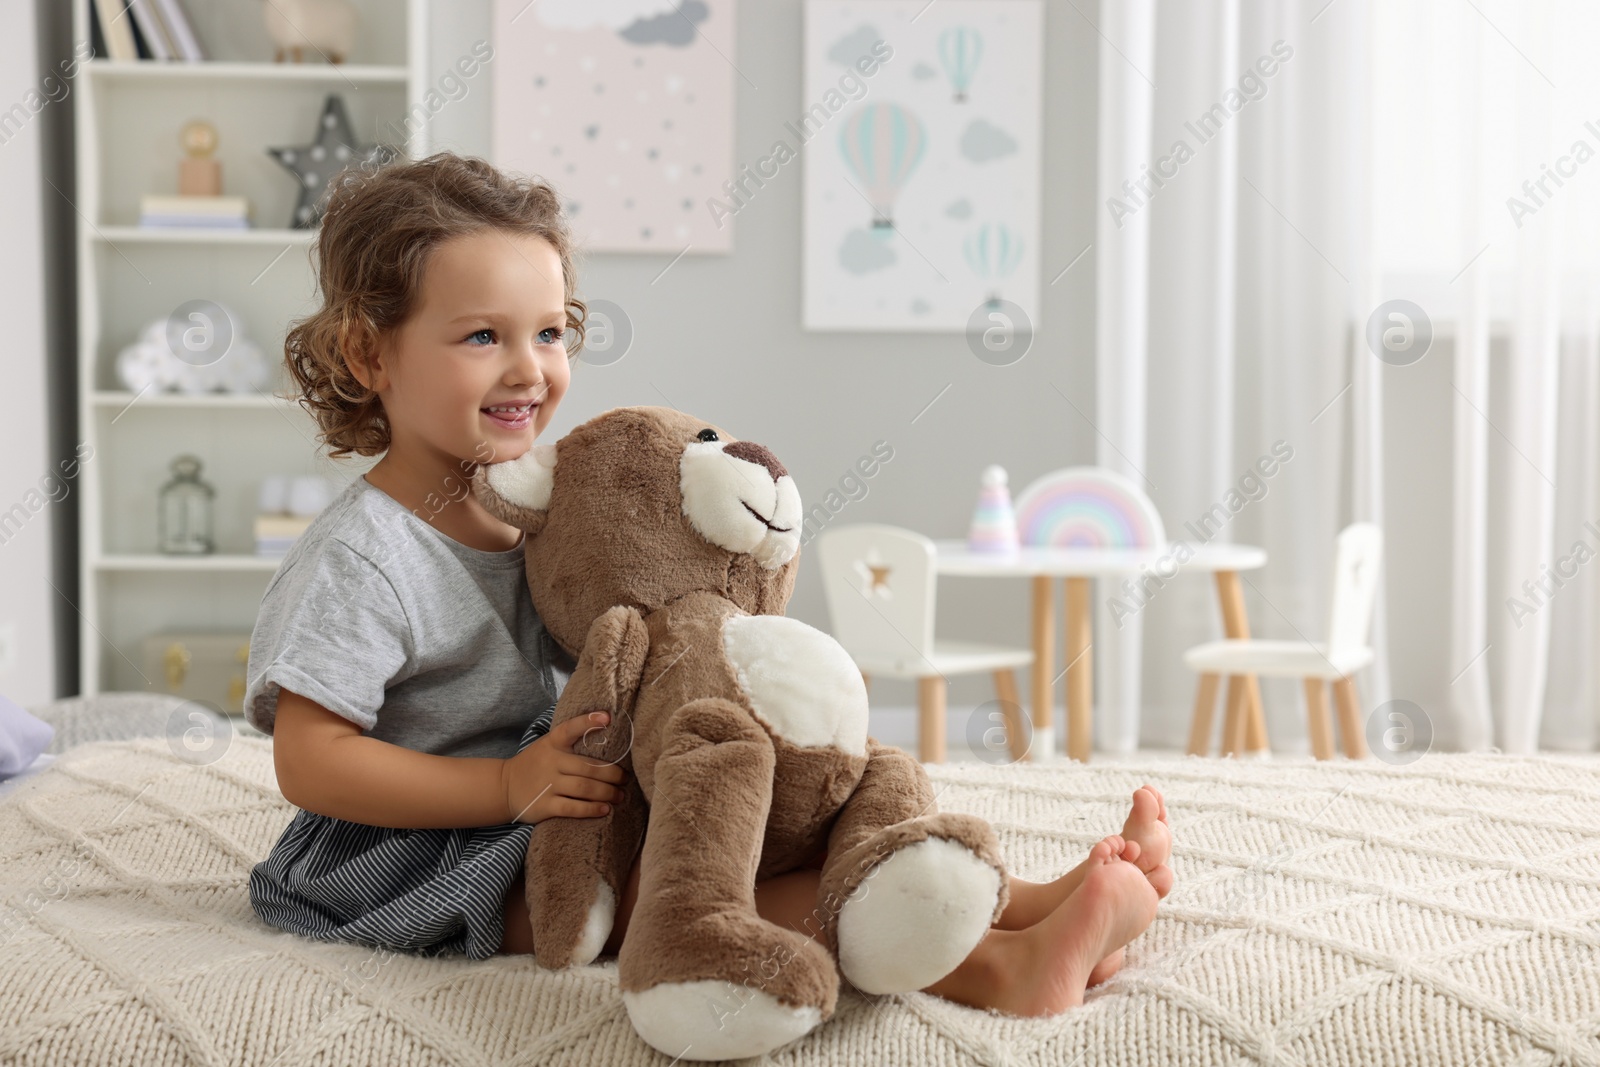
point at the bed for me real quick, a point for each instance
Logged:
(1446, 912)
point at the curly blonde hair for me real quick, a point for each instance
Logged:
(378, 229)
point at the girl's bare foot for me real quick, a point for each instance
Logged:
(1147, 843)
(1113, 905)
(1106, 968)
(1147, 825)
(1044, 969)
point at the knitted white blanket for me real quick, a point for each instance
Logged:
(1341, 913)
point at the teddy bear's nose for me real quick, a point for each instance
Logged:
(751, 452)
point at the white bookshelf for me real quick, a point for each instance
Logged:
(128, 121)
(122, 400)
(108, 70)
(215, 563)
(263, 236)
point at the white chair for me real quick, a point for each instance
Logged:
(1355, 584)
(880, 584)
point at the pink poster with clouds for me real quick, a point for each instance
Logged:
(626, 108)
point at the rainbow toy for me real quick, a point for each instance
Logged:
(994, 524)
(1087, 507)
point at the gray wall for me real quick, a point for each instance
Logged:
(36, 543)
(720, 336)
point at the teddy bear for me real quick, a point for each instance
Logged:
(661, 552)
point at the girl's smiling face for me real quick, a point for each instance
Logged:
(476, 371)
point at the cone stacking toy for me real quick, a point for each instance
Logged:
(994, 522)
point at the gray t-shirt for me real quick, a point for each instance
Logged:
(418, 639)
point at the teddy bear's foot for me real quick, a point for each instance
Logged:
(910, 918)
(703, 975)
(714, 1019)
(779, 985)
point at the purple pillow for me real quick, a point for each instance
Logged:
(22, 738)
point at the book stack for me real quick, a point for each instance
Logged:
(190, 212)
(143, 29)
(275, 533)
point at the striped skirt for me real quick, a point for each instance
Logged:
(426, 892)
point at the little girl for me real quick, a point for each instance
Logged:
(399, 663)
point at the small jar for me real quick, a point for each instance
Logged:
(186, 506)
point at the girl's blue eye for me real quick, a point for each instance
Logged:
(480, 333)
(554, 335)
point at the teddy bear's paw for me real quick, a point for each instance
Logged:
(723, 984)
(714, 1019)
(596, 926)
(916, 916)
(564, 937)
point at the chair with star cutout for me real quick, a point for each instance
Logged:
(879, 582)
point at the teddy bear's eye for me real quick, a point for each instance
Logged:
(707, 435)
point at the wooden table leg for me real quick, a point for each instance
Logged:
(1080, 668)
(1236, 625)
(1043, 748)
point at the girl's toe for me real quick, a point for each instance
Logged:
(1151, 802)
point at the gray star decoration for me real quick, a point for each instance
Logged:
(316, 165)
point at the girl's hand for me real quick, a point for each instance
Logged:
(547, 778)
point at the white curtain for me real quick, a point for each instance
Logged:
(1121, 328)
(1336, 157)
(1523, 584)
(1489, 221)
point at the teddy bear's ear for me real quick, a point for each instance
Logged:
(518, 490)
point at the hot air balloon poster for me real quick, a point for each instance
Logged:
(626, 107)
(922, 178)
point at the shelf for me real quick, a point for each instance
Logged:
(150, 70)
(127, 142)
(263, 236)
(220, 561)
(109, 398)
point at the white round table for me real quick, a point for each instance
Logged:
(1076, 566)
